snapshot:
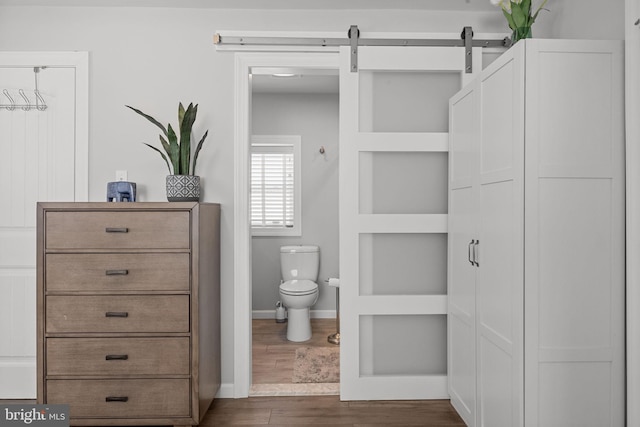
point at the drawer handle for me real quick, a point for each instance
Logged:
(117, 272)
(116, 230)
(116, 399)
(116, 357)
(116, 314)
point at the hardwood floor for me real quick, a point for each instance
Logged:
(273, 358)
(273, 354)
(329, 411)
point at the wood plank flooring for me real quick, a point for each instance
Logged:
(273, 355)
(320, 411)
(273, 358)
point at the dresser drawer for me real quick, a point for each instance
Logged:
(138, 398)
(110, 313)
(118, 356)
(117, 230)
(118, 272)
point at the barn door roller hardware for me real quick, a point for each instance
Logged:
(353, 40)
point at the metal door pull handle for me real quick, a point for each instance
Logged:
(469, 251)
(116, 230)
(116, 357)
(117, 272)
(116, 399)
(475, 253)
(116, 314)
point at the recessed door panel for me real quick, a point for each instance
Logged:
(405, 101)
(403, 182)
(403, 345)
(403, 264)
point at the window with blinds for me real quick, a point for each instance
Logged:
(275, 185)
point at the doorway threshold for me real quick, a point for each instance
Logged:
(307, 389)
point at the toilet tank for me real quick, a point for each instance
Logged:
(299, 262)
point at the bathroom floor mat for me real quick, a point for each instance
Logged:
(316, 365)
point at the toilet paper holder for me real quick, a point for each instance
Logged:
(335, 338)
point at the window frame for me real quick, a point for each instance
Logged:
(265, 141)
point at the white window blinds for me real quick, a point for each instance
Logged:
(275, 185)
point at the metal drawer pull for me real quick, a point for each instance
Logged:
(469, 251)
(117, 272)
(116, 230)
(116, 399)
(116, 314)
(116, 357)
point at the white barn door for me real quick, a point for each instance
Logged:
(393, 219)
(44, 158)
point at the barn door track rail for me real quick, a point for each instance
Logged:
(353, 40)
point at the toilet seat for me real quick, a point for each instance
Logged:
(298, 287)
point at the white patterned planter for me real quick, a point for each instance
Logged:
(183, 188)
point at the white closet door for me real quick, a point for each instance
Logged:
(38, 163)
(500, 281)
(463, 232)
(393, 219)
(575, 234)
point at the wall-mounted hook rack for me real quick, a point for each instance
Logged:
(27, 105)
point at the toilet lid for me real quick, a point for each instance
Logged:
(299, 287)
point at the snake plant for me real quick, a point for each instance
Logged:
(178, 150)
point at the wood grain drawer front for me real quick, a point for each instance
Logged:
(118, 272)
(109, 313)
(139, 398)
(117, 230)
(118, 356)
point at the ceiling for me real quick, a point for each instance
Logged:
(466, 5)
(295, 80)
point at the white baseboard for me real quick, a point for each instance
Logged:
(315, 314)
(18, 378)
(225, 392)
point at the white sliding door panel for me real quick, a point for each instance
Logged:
(41, 151)
(393, 220)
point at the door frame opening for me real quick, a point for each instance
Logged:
(244, 63)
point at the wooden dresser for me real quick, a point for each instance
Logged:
(129, 311)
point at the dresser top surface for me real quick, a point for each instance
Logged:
(121, 205)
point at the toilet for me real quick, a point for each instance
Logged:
(299, 290)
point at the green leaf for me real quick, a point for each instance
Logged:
(519, 18)
(195, 155)
(161, 153)
(151, 119)
(533, 19)
(525, 6)
(185, 137)
(165, 145)
(174, 151)
(512, 24)
(180, 115)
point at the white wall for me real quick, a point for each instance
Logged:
(152, 58)
(315, 118)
